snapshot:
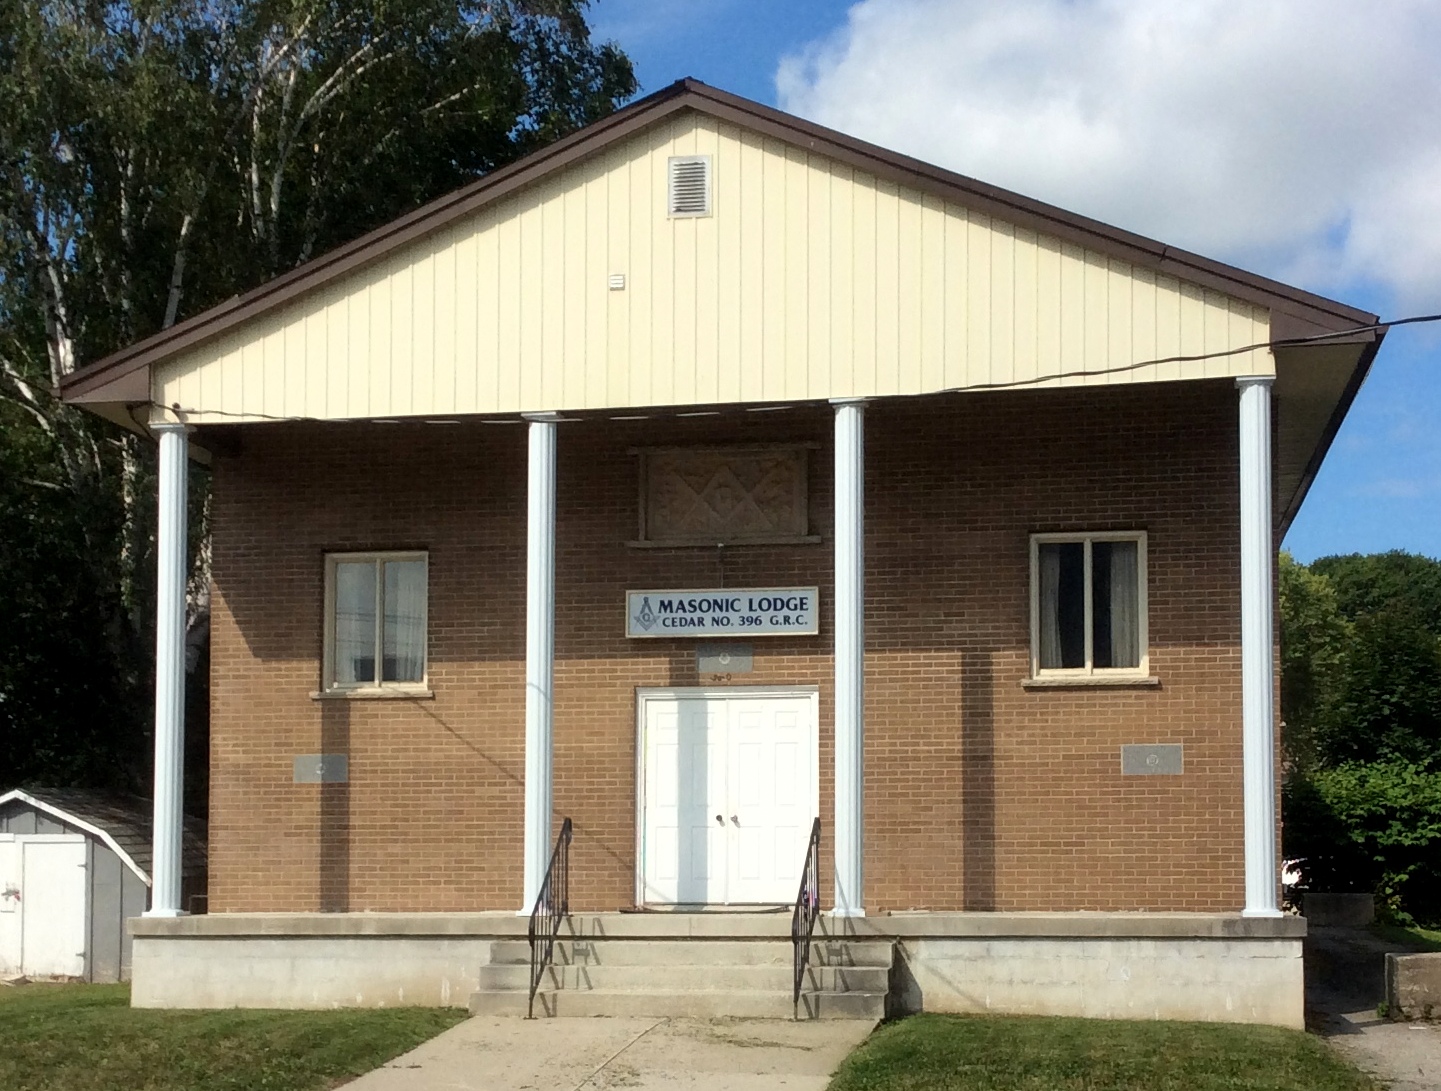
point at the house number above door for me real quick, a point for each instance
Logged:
(754, 611)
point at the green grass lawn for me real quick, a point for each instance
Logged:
(1025, 1053)
(88, 1038)
(1418, 939)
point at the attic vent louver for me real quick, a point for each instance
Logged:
(689, 185)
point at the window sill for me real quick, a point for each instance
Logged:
(1135, 681)
(417, 693)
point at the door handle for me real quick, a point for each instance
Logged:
(735, 820)
(720, 820)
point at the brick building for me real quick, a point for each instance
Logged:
(703, 476)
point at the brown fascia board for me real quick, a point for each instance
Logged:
(103, 380)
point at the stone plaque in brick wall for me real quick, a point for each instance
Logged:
(724, 659)
(708, 496)
(322, 768)
(1152, 759)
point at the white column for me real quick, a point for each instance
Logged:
(171, 570)
(850, 657)
(1258, 758)
(539, 652)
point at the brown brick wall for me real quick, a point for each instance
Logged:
(979, 794)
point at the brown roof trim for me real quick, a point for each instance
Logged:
(106, 380)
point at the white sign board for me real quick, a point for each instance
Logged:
(730, 611)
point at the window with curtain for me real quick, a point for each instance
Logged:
(1088, 604)
(375, 624)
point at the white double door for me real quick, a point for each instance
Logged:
(728, 794)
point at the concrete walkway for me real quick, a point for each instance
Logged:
(1403, 1056)
(1345, 980)
(506, 1054)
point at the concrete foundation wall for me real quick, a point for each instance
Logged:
(1254, 980)
(1210, 967)
(306, 971)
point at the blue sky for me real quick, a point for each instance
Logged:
(1288, 146)
(732, 44)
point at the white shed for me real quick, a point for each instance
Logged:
(74, 866)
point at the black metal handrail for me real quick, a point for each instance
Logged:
(552, 905)
(803, 918)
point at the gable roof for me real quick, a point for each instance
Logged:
(123, 377)
(122, 822)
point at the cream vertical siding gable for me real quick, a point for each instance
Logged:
(811, 280)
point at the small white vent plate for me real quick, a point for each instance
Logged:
(688, 189)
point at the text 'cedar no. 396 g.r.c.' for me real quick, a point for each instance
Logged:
(755, 611)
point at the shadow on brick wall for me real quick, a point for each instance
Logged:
(335, 812)
(978, 727)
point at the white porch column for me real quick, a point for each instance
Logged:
(539, 652)
(1258, 758)
(850, 656)
(170, 562)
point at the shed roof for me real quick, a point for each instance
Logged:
(121, 821)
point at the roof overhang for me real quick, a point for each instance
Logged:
(1316, 380)
(1316, 383)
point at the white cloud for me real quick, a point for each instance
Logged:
(1299, 137)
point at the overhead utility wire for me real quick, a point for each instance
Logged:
(1284, 342)
(1036, 380)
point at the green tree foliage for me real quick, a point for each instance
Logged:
(1389, 707)
(66, 681)
(1361, 700)
(1315, 637)
(1367, 582)
(158, 157)
(1371, 826)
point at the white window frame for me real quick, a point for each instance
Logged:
(328, 683)
(1090, 671)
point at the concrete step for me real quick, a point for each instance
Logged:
(696, 1004)
(764, 977)
(697, 952)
